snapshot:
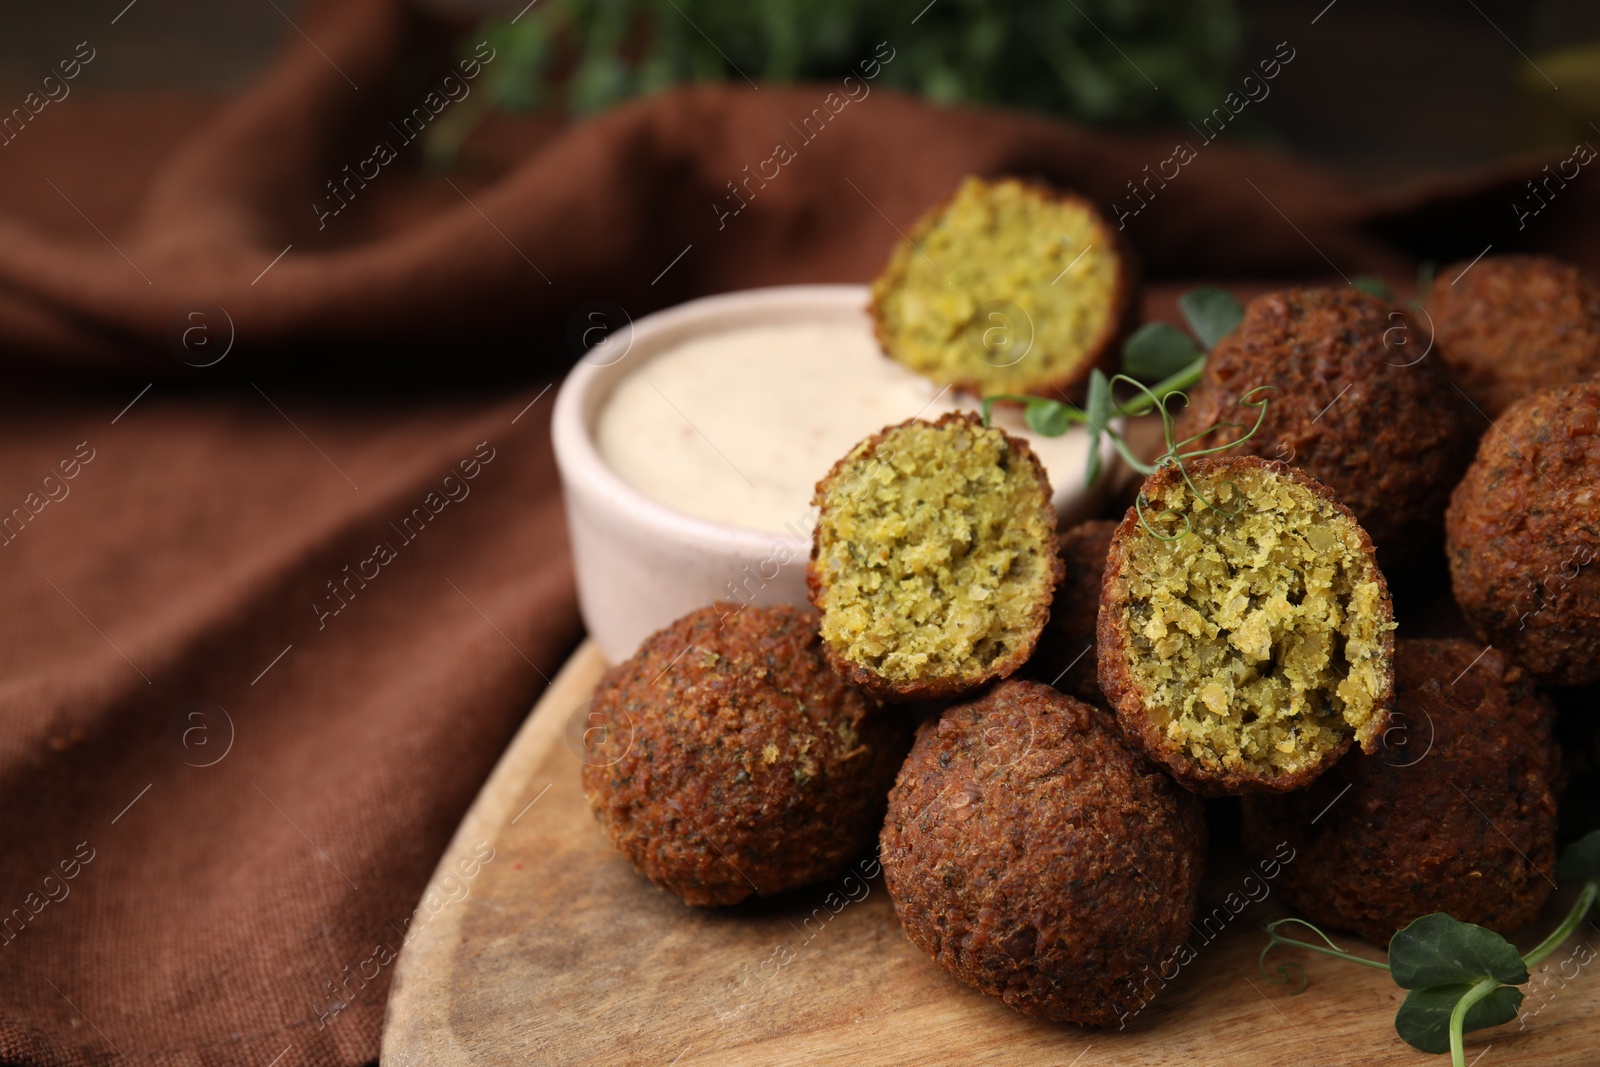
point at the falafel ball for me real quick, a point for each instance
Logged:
(1036, 856)
(1457, 812)
(733, 762)
(1524, 535)
(1245, 632)
(1065, 655)
(1006, 287)
(934, 559)
(1354, 406)
(1512, 325)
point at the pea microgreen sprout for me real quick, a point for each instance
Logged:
(1460, 977)
(1156, 350)
(1373, 285)
(1425, 272)
(1051, 418)
(1289, 970)
(1176, 455)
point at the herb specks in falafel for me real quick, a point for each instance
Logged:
(1245, 637)
(935, 557)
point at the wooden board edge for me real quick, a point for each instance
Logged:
(416, 1026)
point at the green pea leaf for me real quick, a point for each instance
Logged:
(1370, 283)
(1423, 1021)
(1048, 418)
(1157, 350)
(1212, 313)
(1097, 410)
(1580, 861)
(1437, 949)
(1425, 272)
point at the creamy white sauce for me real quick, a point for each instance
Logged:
(738, 426)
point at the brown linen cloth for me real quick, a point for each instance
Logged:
(244, 701)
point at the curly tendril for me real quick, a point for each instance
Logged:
(1057, 416)
(1287, 973)
(1175, 453)
(1287, 969)
(1138, 506)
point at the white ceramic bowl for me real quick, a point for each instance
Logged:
(642, 564)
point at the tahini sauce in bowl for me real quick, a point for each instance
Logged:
(738, 426)
(689, 445)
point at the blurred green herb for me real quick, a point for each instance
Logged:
(584, 55)
(1373, 285)
(1212, 313)
(1461, 977)
(1097, 408)
(1425, 272)
(1158, 349)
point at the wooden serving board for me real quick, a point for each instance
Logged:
(555, 951)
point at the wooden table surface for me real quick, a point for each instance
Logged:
(543, 946)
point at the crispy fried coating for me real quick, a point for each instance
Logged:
(1245, 633)
(1355, 404)
(727, 760)
(1524, 535)
(1456, 812)
(1065, 656)
(1508, 326)
(1036, 856)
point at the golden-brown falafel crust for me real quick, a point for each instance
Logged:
(1065, 656)
(1124, 301)
(1033, 854)
(1524, 535)
(1122, 689)
(1508, 326)
(731, 761)
(1354, 407)
(1038, 612)
(1457, 812)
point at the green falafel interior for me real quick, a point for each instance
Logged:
(934, 561)
(1007, 287)
(1257, 631)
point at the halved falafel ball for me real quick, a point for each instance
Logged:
(934, 558)
(731, 761)
(1354, 407)
(1508, 326)
(1065, 656)
(1036, 856)
(1456, 813)
(1524, 535)
(1007, 287)
(1246, 642)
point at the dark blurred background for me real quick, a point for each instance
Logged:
(1380, 90)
